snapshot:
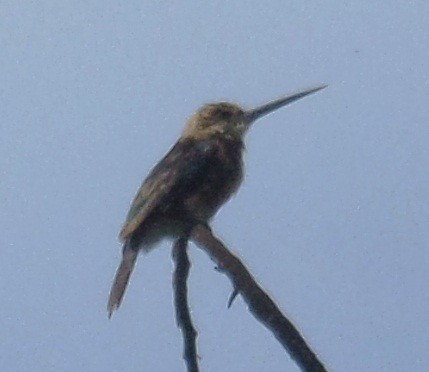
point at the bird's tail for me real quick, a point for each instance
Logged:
(122, 277)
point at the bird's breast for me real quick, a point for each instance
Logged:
(222, 176)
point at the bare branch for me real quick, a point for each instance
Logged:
(183, 316)
(260, 304)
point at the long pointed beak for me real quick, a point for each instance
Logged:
(260, 111)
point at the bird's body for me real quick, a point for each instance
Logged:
(193, 180)
(188, 186)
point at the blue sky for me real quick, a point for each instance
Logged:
(332, 218)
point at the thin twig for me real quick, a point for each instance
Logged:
(183, 316)
(234, 294)
(260, 304)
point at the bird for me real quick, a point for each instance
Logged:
(202, 170)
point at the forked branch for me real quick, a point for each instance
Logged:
(260, 304)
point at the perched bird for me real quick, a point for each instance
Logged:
(199, 174)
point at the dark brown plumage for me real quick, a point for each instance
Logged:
(198, 175)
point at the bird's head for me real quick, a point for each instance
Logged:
(217, 119)
(229, 120)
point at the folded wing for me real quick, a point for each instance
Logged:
(184, 163)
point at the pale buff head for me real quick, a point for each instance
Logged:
(230, 121)
(217, 119)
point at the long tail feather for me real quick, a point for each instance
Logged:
(121, 279)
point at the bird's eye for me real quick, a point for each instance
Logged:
(224, 115)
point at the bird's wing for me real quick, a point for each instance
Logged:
(184, 162)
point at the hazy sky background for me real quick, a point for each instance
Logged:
(332, 218)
